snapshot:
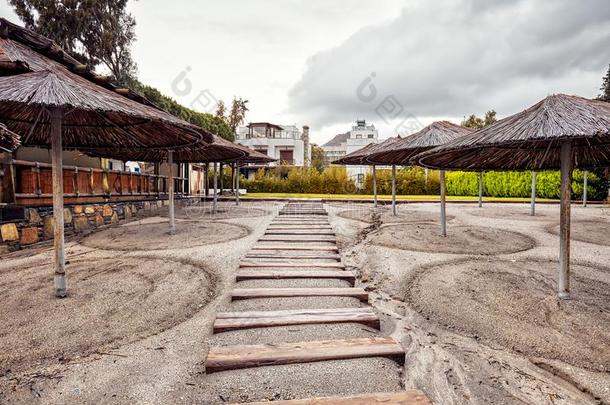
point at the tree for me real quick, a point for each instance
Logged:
(605, 94)
(237, 115)
(95, 32)
(318, 158)
(221, 109)
(475, 122)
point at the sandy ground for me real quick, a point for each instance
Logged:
(479, 325)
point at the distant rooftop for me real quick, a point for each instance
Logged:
(337, 140)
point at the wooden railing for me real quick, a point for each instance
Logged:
(33, 183)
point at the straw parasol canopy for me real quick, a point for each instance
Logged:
(359, 156)
(9, 141)
(532, 139)
(38, 76)
(559, 132)
(50, 99)
(402, 150)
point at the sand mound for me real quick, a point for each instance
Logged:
(425, 237)
(154, 236)
(224, 211)
(514, 304)
(402, 215)
(596, 232)
(112, 302)
(520, 213)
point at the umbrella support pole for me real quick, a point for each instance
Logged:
(443, 203)
(215, 201)
(585, 192)
(564, 226)
(237, 184)
(394, 190)
(480, 189)
(172, 212)
(58, 203)
(374, 186)
(533, 203)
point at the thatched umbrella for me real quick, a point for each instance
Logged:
(9, 140)
(560, 132)
(403, 150)
(251, 157)
(52, 100)
(359, 158)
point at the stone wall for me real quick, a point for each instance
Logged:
(79, 220)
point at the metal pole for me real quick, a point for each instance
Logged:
(172, 218)
(533, 207)
(222, 181)
(237, 184)
(394, 189)
(206, 180)
(585, 192)
(564, 224)
(374, 186)
(443, 204)
(215, 188)
(58, 203)
(480, 189)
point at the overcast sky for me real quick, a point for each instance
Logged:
(397, 63)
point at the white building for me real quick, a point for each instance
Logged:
(286, 143)
(360, 135)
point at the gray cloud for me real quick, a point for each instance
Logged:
(450, 59)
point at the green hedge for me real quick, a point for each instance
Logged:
(519, 184)
(415, 181)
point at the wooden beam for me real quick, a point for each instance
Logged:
(276, 239)
(226, 321)
(533, 196)
(58, 202)
(246, 356)
(288, 274)
(251, 293)
(564, 222)
(411, 397)
(293, 248)
(443, 203)
(292, 265)
(292, 256)
(172, 209)
(303, 232)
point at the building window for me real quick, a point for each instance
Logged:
(371, 136)
(358, 136)
(360, 180)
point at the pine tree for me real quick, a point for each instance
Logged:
(605, 95)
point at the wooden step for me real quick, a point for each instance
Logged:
(301, 233)
(292, 247)
(299, 227)
(246, 356)
(410, 397)
(292, 256)
(251, 293)
(294, 240)
(292, 265)
(287, 274)
(226, 321)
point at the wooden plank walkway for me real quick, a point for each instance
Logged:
(410, 397)
(301, 244)
(226, 321)
(245, 356)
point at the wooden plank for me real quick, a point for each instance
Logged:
(250, 293)
(297, 227)
(292, 256)
(410, 397)
(291, 247)
(227, 321)
(276, 239)
(246, 356)
(298, 233)
(284, 274)
(292, 265)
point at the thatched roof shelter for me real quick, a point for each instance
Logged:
(37, 75)
(9, 140)
(401, 151)
(559, 132)
(49, 99)
(531, 139)
(360, 156)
